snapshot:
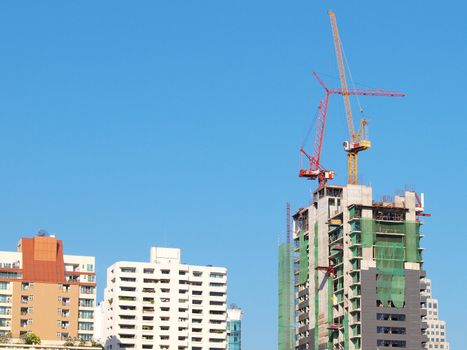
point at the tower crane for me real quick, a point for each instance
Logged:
(315, 169)
(358, 141)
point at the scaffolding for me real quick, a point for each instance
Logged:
(285, 324)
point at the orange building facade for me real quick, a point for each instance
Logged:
(45, 292)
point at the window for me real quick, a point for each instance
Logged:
(391, 343)
(86, 326)
(216, 275)
(90, 267)
(86, 302)
(87, 290)
(148, 271)
(85, 314)
(213, 284)
(4, 285)
(128, 279)
(85, 337)
(128, 269)
(392, 317)
(390, 330)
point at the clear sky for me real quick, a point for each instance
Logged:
(129, 124)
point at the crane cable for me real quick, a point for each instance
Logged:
(308, 132)
(351, 78)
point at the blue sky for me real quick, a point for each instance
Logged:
(125, 125)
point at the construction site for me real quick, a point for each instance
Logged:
(351, 270)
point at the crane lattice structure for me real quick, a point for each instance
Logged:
(315, 170)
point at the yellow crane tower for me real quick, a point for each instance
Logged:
(358, 140)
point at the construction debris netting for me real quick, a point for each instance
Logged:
(412, 241)
(391, 252)
(390, 281)
(285, 336)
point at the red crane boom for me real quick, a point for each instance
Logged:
(315, 169)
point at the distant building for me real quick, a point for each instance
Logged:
(47, 293)
(164, 304)
(436, 330)
(234, 328)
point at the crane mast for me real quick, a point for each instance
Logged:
(358, 141)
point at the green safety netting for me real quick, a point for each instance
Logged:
(390, 281)
(330, 311)
(315, 262)
(285, 335)
(346, 331)
(412, 241)
(391, 252)
(390, 227)
(368, 232)
(303, 250)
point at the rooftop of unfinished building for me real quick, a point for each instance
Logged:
(396, 201)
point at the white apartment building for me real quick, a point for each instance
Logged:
(436, 330)
(165, 305)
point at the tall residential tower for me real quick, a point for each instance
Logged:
(234, 328)
(358, 271)
(47, 293)
(436, 330)
(165, 304)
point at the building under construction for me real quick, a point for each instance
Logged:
(357, 262)
(358, 271)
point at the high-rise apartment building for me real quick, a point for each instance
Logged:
(45, 292)
(165, 305)
(234, 328)
(358, 271)
(436, 330)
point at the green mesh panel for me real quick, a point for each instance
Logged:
(390, 282)
(352, 212)
(303, 249)
(355, 238)
(368, 232)
(346, 331)
(330, 311)
(390, 227)
(285, 334)
(412, 241)
(315, 244)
